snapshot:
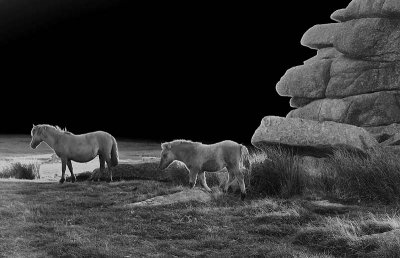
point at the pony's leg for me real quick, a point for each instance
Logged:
(63, 168)
(202, 177)
(230, 180)
(69, 164)
(102, 166)
(192, 178)
(109, 166)
(240, 177)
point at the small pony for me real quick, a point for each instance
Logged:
(199, 158)
(80, 148)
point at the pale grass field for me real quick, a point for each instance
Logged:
(16, 148)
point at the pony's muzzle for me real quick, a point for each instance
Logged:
(34, 145)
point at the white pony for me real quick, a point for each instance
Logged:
(199, 158)
(79, 148)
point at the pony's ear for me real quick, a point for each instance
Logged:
(34, 125)
(166, 146)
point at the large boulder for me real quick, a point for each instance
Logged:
(366, 110)
(311, 137)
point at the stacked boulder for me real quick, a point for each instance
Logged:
(355, 76)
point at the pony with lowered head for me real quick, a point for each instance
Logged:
(199, 158)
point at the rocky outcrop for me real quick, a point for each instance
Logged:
(311, 137)
(355, 76)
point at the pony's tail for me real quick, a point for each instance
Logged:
(244, 156)
(114, 153)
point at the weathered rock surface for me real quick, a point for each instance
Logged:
(306, 81)
(321, 36)
(186, 195)
(324, 53)
(370, 39)
(300, 102)
(337, 78)
(350, 77)
(366, 110)
(368, 8)
(311, 135)
(382, 133)
(392, 141)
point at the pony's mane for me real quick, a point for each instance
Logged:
(56, 127)
(179, 142)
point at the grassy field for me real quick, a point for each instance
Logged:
(349, 209)
(88, 220)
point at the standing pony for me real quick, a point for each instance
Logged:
(80, 148)
(199, 158)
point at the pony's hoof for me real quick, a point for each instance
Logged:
(191, 185)
(242, 196)
(62, 180)
(73, 179)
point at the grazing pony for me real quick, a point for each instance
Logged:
(80, 148)
(199, 158)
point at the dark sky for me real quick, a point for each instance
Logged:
(150, 71)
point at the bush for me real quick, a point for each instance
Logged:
(276, 171)
(21, 171)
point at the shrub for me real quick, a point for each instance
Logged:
(21, 171)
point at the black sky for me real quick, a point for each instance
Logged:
(152, 71)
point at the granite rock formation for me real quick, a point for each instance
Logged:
(355, 76)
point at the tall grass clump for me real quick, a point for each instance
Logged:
(375, 177)
(20, 170)
(276, 171)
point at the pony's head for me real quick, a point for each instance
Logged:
(167, 155)
(37, 134)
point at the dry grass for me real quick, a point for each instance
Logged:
(353, 178)
(86, 220)
(275, 171)
(20, 170)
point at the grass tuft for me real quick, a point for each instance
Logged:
(21, 171)
(276, 171)
(350, 177)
